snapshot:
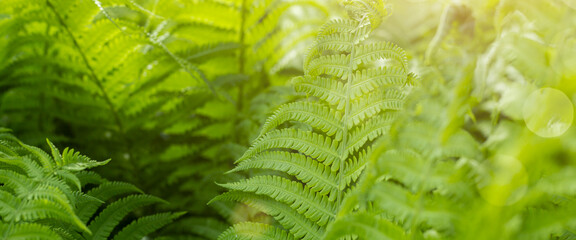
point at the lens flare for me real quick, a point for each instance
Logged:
(548, 112)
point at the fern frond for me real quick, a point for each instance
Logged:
(73, 161)
(436, 212)
(339, 42)
(87, 177)
(369, 131)
(27, 231)
(208, 228)
(338, 26)
(316, 175)
(373, 104)
(102, 226)
(316, 208)
(542, 223)
(38, 209)
(324, 88)
(254, 231)
(311, 144)
(369, 80)
(342, 28)
(33, 189)
(298, 225)
(318, 116)
(384, 50)
(108, 190)
(19, 183)
(146, 225)
(331, 65)
(104, 192)
(364, 226)
(41, 194)
(324, 140)
(353, 169)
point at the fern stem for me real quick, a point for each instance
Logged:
(242, 53)
(44, 84)
(8, 230)
(419, 206)
(241, 59)
(105, 95)
(151, 16)
(441, 32)
(342, 148)
(89, 67)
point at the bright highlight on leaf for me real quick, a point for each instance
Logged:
(548, 112)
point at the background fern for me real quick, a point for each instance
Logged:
(126, 79)
(434, 177)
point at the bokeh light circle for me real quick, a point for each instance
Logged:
(506, 182)
(548, 112)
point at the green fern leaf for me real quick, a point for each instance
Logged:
(299, 226)
(324, 88)
(73, 161)
(368, 53)
(208, 228)
(309, 143)
(317, 115)
(41, 196)
(331, 65)
(364, 226)
(25, 231)
(316, 208)
(254, 231)
(324, 140)
(369, 80)
(316, 175)
(105, 222)
(104, 192)
(146, 225)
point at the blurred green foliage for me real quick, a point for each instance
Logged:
(174, 91)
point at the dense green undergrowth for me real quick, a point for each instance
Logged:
(287, 119)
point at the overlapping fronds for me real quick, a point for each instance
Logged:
(319, 145)
(116, 201)
(44, 197)
(436, 176)
(175, 90)
(418, 178)
(137, 80)
(73, 74)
